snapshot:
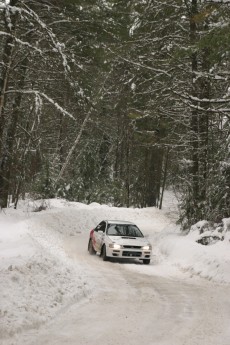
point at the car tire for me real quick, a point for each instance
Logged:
(146, 261)
(103, 253)
(91, 250)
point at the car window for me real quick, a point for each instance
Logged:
(113, 230)
(128, 230)
(101, 227)
(134, 231)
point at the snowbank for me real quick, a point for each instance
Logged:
(38, 279)
(210, 262)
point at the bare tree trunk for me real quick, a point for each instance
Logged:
(67, 161)
(4, 122)
(127, 177)
(164, 178)
(195, 114)
(12, 129)
(204, 120)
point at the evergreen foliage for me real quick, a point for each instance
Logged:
(109, 100)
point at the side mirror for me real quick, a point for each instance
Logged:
(100, 231)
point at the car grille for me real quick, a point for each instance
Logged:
(132, 254)
(132, 247)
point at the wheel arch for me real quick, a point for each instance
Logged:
(102, 247)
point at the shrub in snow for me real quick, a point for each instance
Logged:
(226, 223)
(208, 232)
(200, 226)
(40, 208)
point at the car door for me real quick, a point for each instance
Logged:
(99, 233)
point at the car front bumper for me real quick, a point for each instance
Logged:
(128, 253)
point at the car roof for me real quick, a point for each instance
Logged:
(119, 222)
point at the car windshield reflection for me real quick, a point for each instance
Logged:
(124, 230)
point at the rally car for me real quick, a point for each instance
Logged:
(119, 239)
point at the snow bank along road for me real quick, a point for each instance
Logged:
(128, 304)
(131, 308)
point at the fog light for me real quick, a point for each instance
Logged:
(148, 247)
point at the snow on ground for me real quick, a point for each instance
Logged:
(38, 279)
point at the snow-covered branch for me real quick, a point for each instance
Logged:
(202, 100)
(160, 71)
(38, 95)
(23, 43)
(57, 45)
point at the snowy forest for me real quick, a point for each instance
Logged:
(113, 101)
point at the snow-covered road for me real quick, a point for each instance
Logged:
(130, 308)
(55, 293)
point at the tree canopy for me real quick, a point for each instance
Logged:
(112, 101)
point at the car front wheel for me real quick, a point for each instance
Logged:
(103, 253)
(146, 261)
(91, 250)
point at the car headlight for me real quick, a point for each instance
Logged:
(148, 247)
(115, 246)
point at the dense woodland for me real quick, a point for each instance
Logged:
(114, 100)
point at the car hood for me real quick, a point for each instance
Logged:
(133, 241)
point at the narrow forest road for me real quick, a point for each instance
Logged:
(126, 307)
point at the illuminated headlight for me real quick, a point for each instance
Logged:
(148, 247)
(115, 246)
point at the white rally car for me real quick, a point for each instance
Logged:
(119, 239)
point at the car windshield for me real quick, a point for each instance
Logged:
(128, 230)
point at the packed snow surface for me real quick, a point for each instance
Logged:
(48, 281)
